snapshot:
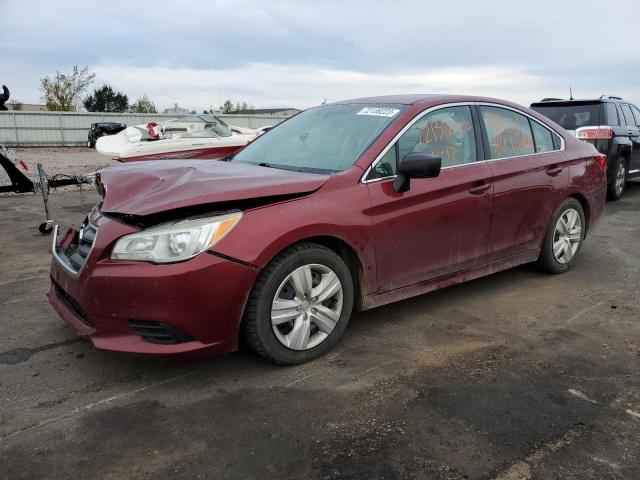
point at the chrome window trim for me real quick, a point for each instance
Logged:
(415, 119)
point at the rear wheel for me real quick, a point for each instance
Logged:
(300, 305)
(563, 240)
(615, 188)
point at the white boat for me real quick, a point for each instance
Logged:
(195, 136)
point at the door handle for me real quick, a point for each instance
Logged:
(480, 188)
(553, 171)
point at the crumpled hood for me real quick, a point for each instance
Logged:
(144, 188)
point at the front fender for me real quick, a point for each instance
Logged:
(341, 214)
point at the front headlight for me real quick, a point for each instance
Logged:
(175, 241)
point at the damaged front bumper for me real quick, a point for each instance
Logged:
(142, 307)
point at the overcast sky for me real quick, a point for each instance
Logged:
(295, 53)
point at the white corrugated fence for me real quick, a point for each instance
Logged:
(70, 128)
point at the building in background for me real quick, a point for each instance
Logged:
(176, 110)
(30, 107)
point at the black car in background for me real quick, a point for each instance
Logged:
(610, 124)
(101, 129)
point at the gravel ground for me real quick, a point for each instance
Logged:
(515, 376)
(59, 160)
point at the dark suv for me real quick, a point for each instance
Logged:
(610, 124)
(101, 129)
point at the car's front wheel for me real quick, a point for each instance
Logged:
(615, 188)
(563, 240)
(300, 305)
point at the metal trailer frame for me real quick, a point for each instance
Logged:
(20, 183)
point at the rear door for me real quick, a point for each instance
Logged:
(440, 225)
(633, 130)
(530, 175)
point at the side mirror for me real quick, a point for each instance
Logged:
(416, 165)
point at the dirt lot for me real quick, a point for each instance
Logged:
(519, 375)
(60, 160)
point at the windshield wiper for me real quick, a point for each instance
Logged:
(280, 167)
(323, 171)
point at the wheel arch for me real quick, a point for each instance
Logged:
(345, 251)
(625, 153)
(584, 203)
(350, 257)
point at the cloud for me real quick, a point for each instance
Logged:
(286, 52)
(307, 85)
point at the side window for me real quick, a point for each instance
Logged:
(636, 114)
(508, 132)
(543, 138)
(628, 116)
(612, 114)
(387, 166)
(447, 132)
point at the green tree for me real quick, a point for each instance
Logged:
(227, 107)
(61, 92)
(105, 99)
(15, 105)
(143, 105)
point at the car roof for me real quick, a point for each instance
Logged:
(578, 101)
(414, 99)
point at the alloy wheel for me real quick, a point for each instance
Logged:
(307, 307)
(567, 236)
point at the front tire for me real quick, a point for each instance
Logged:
(300, 305)
(615, 188)
(563, 240)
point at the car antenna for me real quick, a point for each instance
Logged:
(570, 93)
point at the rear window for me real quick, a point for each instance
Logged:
(571, 116)
(509, 132)
(612, 114)
(628, 116)
(542, 137)
(636, 114)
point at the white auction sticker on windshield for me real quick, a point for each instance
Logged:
(379, 111)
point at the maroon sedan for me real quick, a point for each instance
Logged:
(344, 206)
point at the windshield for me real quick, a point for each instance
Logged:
(329, 138)
(212, 126)
(571, 116)
(213, 132)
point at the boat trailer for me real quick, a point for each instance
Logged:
(21, 183)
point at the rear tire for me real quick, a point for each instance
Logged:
(564, 237)
(278, 308)
(615, 188)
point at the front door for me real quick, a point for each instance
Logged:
(440, 225)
